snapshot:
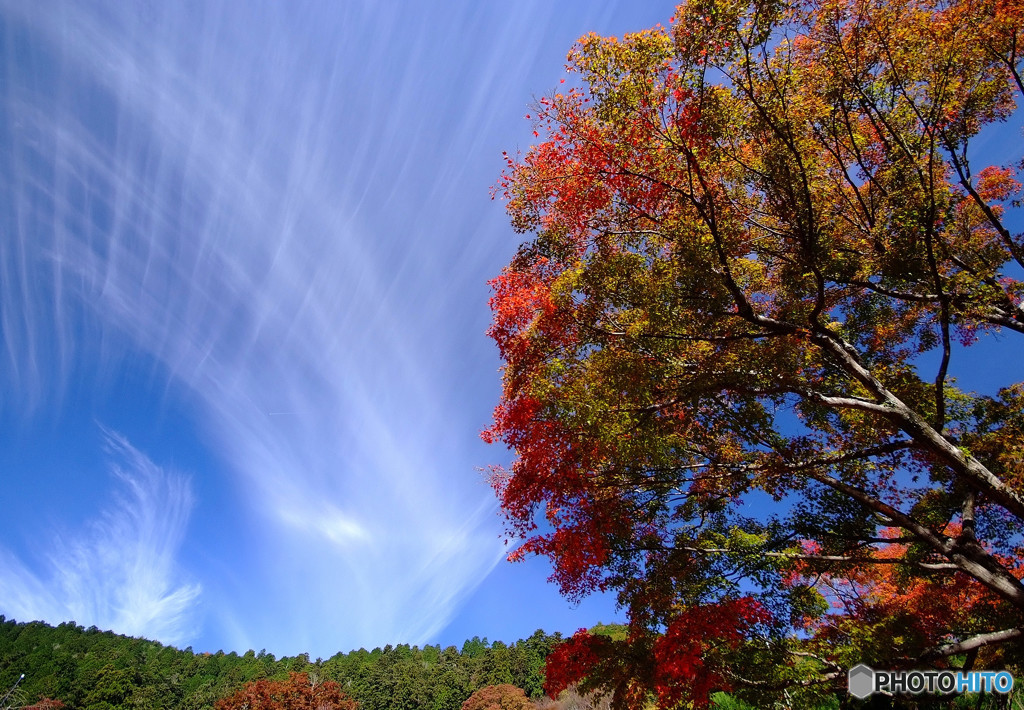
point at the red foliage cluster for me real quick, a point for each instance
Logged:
(572, 660)
(882, 602)
(45, 704)
(677, 664)
(498, 697)
(680, 654)
(296, 693)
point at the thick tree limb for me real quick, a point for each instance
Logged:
(894, 409)
(975, 642)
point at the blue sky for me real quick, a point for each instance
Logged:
(243, 260)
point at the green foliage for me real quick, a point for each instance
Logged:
(616, 632)
(89, 669)
(110, 690)
(724, 701)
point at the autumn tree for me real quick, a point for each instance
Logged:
(299, 692)
(763, 242)
(498, 697)
(45, 704)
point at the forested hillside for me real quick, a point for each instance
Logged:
(93, 670)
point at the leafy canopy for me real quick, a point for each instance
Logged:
(299, 692)
(761, 246)
(498, 697)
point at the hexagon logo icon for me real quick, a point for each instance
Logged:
(860, 681)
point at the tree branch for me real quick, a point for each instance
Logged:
(893, 408)
(975, 642)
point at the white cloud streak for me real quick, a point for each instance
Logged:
(121, 571)
(200, 188)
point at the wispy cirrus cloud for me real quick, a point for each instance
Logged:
(265, 243)
(120, 571)
(282, 212)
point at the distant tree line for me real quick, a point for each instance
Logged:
(89, 669)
